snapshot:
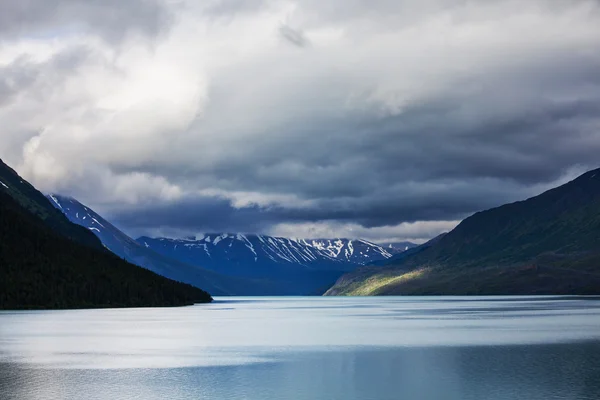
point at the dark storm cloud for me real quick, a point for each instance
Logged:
(395, 113)
(194, 215)
(404, 172)
(397, 205)
(55, 18)
(353, 158)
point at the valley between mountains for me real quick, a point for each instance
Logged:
(548, 244)
(234, 263)
(59, 253)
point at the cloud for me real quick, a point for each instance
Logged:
(111, 19)
(186, 116)
(294, 36)
(416, 232)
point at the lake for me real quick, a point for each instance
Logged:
(308, 348)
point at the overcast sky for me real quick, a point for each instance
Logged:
(380, 119)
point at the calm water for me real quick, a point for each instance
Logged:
(308, 348)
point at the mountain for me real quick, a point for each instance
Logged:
(262, 256)
(298, 267)
(232, 268)
(33, 201)
(127, 248)
(401, 255)
(233, 264)
(548, 244)
(48, 262)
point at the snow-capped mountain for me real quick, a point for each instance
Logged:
(125, 247)
(257, 255)
(355, 251)
(112, 238)
(233, 264)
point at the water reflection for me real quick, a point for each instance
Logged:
(565, 371)
(308, 348)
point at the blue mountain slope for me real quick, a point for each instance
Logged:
(233, 264)
(127, 248)
(260, 256)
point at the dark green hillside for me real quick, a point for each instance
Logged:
(48, 262)
(36, 203)
(564, 220)
(41, 269)
(548, 244)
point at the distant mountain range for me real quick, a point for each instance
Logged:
(48, 262)
(261, 255)
(127, 248)
(235, 264)
(53, 253)
(548, 244)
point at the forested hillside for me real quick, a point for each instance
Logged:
(548, 244)
(42, 268)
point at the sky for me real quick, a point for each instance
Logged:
(386, 120)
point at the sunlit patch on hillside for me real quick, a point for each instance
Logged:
(374, 283)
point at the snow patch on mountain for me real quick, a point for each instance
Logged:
(261, 251)
(55, 200)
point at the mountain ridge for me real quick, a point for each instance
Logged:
(547, 244)
(127, 248)
(232, 263)
(36, 203)
(48, 262)
(213, 248)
